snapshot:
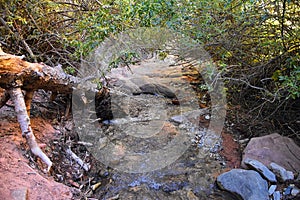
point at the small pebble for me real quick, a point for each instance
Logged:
(290, 175)
(276, 195)
(295, 191)
(272, 189)
(288, 190)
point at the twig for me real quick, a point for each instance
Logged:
(85, 143)
(247, 83)
(20, 38)
(84, 8)
(77, 159)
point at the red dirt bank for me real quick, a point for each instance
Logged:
(18, 180)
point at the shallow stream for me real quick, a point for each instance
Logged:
(154, 141)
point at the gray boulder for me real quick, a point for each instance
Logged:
(274, 148)
(246, 183)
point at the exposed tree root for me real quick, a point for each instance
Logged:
(24, 121)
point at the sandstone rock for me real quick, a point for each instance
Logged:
(246, 183)
(262, 169)
(178, 119)
(281, 173)
(274, 148)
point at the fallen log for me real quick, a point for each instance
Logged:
(17, 75)
(15, 72)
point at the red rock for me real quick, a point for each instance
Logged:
(17, 179)
(274, 148)
(15, 173)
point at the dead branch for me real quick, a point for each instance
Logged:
(15, 72)
(78, 160)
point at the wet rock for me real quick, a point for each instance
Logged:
(262, 169)
(272, 189)
(274, 148)
(276, 195)
(281, 173)
(246, 183)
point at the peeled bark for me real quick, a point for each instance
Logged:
(28, 98)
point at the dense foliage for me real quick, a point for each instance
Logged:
(255, 43)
